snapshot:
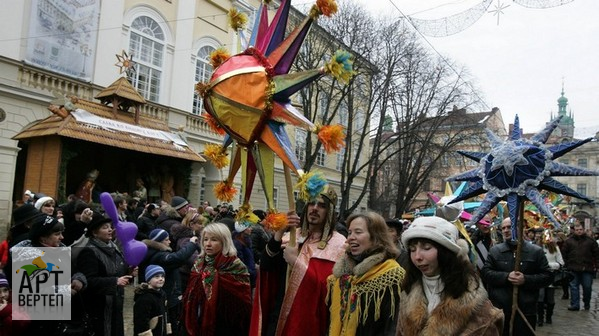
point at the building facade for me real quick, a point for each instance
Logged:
(56, 48)
(585, 156)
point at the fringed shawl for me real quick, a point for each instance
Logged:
(355, 291)
(218, 293)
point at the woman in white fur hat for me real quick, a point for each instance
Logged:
(443, 294)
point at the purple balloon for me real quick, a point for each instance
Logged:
(126, 232)
(134, 251)
(109, 207)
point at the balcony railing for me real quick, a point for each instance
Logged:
(39, 79)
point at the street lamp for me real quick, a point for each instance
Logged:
(85, 51)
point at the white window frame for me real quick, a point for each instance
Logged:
(300, 144)
(339, 161)
(203, 72)
(147, 46)
(321, 157)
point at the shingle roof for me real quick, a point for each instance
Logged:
(70, 127)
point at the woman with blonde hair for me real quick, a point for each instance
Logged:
(217, 299)
(363, 291)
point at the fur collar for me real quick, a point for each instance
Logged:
(152, 244)
(347, 265)
(450, 317)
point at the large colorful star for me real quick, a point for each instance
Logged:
(503, 173)
(248, 96)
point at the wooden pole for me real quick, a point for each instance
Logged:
(518, 258)
(291, 200)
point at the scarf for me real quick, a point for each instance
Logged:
(433, 287)
(354, 291)
(218, 290)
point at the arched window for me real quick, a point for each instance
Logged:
(203, 73)
(147, 46)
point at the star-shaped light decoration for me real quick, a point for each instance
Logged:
(517, 180)
(499, 7)
(248, 97)
(125, 63)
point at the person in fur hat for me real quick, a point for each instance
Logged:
(443, 294)
(149, 310)
(364, 288)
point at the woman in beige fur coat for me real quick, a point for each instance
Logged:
(442, 292)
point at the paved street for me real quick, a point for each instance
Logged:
(565, 322)
(573, 323)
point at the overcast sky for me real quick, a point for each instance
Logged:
(519, 64)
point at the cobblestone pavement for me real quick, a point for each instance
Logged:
(573, 323)
(565, 322)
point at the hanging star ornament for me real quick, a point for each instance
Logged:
(125, 63)
(516, 169)
(248, 97)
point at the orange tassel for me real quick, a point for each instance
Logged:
(332, 137)
(224, 192)
(275, 221)
(218, 57)
(327, 7)
(209, 119)
(201, 88)
(217, 155)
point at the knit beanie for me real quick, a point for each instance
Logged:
(3, 281)
(178, 202)
(41, 201)
(158, 235)
(152, 270)
(438, 230)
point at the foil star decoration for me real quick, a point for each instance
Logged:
(517, 180)
(125, 63)
(249, 97)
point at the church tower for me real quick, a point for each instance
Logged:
(566, 126)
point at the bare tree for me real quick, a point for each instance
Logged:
(396, 80)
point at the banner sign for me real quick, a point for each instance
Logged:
(83, 116)
(41, 283)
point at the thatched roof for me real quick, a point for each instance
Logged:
(139, 136)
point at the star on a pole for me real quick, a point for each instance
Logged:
(499, 7)
(125, 63)
(508, 156)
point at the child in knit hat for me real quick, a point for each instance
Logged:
(7, 324)
(149, 310)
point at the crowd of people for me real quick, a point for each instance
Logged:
(206, 272)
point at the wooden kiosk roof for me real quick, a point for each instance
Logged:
(112, 126)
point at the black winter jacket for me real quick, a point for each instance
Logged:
(159, 254)
(498, 266)
(102, 264)
(149, 312)
(581, 253)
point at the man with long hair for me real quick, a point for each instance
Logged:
(298, 306)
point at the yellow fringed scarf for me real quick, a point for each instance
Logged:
(346, 297)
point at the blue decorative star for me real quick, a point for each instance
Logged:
(517, 168)
(508, 156)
